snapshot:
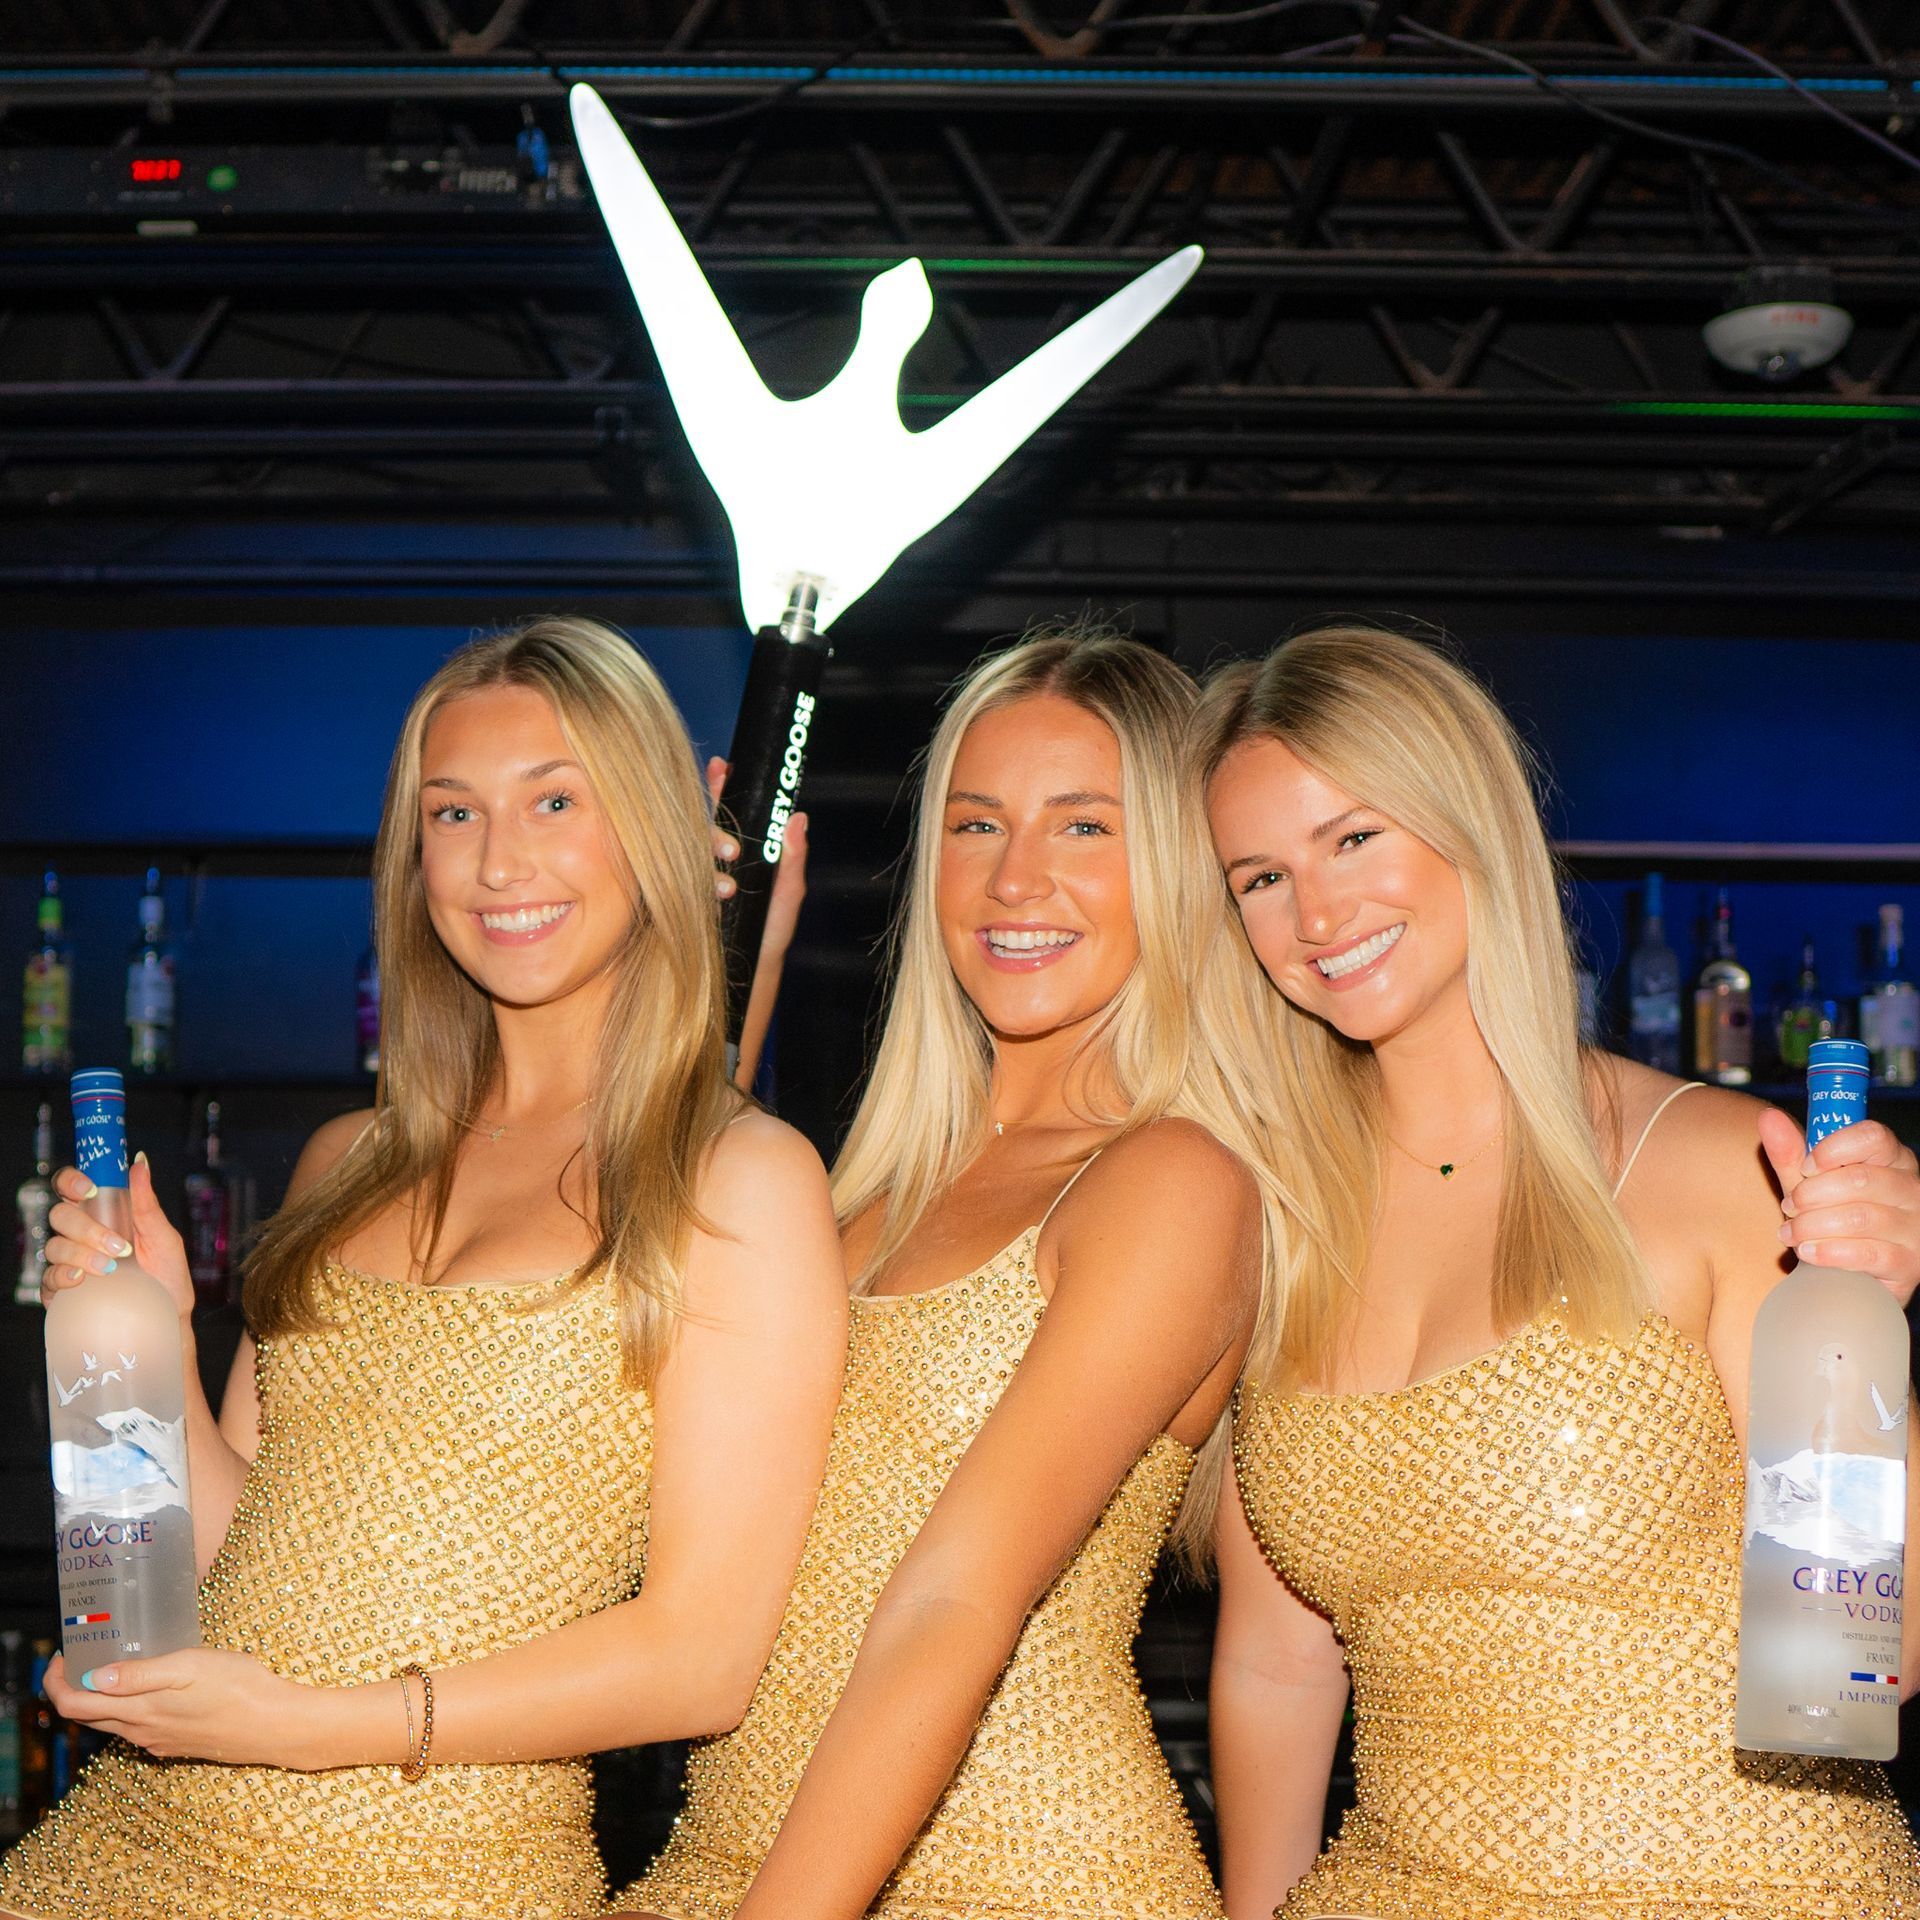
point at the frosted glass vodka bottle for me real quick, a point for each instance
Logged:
(1821, 1574)
(122, 1525)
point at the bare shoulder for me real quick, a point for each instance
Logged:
(760, 1169)
(1172, 1154)
(1168, 1180)
(326, 1147)
(1702, 1189)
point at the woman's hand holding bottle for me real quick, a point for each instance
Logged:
(79, 1245)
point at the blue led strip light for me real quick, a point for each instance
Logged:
(754, 73)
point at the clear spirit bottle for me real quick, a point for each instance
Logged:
(1824, 1556)
(150, 986)
(34, 1201)
(47, 1001)
(123, 1526)
(1653, 989)
(1890, 1009)
(1723, 1008)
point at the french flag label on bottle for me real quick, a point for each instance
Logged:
(104, 1619)
(1876, 1679)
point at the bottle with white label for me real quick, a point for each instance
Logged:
(123, 1527)
(1823, 1564)
(1653, 989)
(1890, 1009)
(150, 987)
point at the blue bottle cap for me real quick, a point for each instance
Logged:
(1837, 1056)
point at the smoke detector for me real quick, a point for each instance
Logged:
(1782, 321)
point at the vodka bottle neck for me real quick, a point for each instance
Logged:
(113, 1208)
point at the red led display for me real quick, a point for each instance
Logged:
(150, 173)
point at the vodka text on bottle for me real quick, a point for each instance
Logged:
(1821, 1572)
(123, 1528)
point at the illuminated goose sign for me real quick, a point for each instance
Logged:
(822, 493)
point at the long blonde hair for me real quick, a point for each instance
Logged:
(1398, 725)
(923, 1115)
(661, 1093)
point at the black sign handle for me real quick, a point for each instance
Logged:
(765, 765)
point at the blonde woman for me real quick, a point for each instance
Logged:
(560, 1312)
(1056, 1278)
(1492, 1441)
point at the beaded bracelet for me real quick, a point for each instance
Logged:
(415, 1767)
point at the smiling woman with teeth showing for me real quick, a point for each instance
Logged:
(548, 1350)
(1489, 1435)
(1055, 1276)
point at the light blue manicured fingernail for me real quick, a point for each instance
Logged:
(110, 1266)
(86, 1680)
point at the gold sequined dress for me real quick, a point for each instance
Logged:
(1063, 1804)
(1533, 1564)
(443, 1472)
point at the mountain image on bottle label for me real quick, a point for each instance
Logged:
(1823, 1557)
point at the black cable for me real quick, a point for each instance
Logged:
(1760, 60)
(1415, 30)
(1640, 129)
(752, 109)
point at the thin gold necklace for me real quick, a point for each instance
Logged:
(1447, 1168)
(497, 1133)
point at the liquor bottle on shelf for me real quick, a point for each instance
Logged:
(150, 986)
(366, 1010)
(1890, 1009)
(1653, 989)
(34, 1201)
(47, 1000)
(210, 1220)
(1808, 1016)
(122, 1523)
(1723, 1008)
(1821, 1573)
(13, 1711)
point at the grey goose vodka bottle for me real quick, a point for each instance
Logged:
(1821, 1571)
(123, 1527)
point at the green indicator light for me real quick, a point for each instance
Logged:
(222, 179)
(1764, 410)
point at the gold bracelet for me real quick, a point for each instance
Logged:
(415, 1768)
(406, 1700)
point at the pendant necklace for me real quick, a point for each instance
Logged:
(1447, 1168)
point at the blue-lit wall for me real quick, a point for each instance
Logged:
(222, 734)
(268, 732)
(1726, 738)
